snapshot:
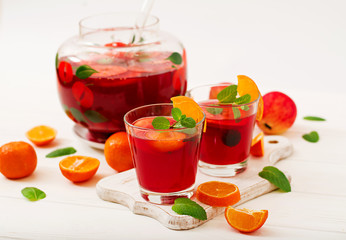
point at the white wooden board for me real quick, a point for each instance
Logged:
(123, 188)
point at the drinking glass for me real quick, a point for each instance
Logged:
(225, 146)
(165, 160)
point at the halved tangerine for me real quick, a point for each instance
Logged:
(79, 168)
(257, 145)
(245, 220)
(247, 86)
(218, 194)
(41, 135)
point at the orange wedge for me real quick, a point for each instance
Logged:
(247, 86)
(79, 168)
(218, 194)
(257, 145)
(41, 135)
(245, 220)
(188, 107)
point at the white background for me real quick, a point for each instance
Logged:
(294, 46)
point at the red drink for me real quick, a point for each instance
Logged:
(165, 161)
(227, 140)
(125, 80)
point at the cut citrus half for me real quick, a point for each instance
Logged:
(41, 135)
(218, 194)
(257, 145)
(188, 107)
(245, 220)
(166, 141)
(247, 86)
(79, 168)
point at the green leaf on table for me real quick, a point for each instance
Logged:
(276, 177)
(214, 111)
(61, 152)
(161, 123)
(243, 99)
(311, 137)
(175, 58)
(188, 122)
(33, 194)
(176, 114)
(185, 206)
(95, 117)
(57, 60)
(85, 71)
(228, 94)
(312, 118)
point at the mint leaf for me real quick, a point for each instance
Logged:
(185, 206)
(95, 117)
(236, 113)
(276, 177)
(312, 118)
(175, 58)
(161, 123)
(311, 137)
(244, 108)
(85, 71)
(56, 60)
(243, 99)
(77, 115)
(228, 94)
(33, 194)
(188, 122)
(214, 111)
(61, 152)
(176, 114)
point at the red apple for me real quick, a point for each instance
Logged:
(279, 113)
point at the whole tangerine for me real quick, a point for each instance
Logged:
(117, 152)
(17, 159)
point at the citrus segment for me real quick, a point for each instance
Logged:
(79, 168)
(166, 141)
(218, 194)
(245, 220)
(117, 152)
(41, 135)
(257, 145)
(247, 86)
(188, 107)
(17, 160)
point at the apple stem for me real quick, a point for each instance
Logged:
(268, 126)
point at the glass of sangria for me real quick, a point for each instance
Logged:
(114, 65)
(225, 145)
(165, 160)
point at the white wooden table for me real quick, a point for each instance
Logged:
(297, 47)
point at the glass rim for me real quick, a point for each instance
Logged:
(122, 27)
(222, 105)
(153, 129)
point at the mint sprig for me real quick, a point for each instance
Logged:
(313, 118)
(175, 58)
(181, 121)
(61, 152)
(85, 71)
(276, 177)
(185, 206)
(311, 137)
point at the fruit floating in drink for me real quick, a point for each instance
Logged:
(165, 159)
(231, 113)
(108, 70)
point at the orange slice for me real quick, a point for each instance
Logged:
(188, 107)
(41, 135)
(245, 220)
(247, 86)
(257, 145)
(218, 194)
(79, 168)
(166, 141)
